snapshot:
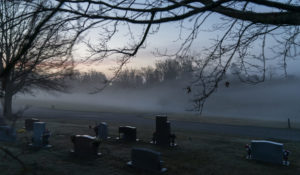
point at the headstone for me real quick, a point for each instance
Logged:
(162, 135)
(2, 123)
(127, 133)
(146, 159)
(102, 131)
(7, 134)
(85, 146)
(267, 151)
(29, 123)
(40, 135)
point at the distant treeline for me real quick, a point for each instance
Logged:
(169, 70)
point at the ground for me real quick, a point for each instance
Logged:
(197, 153)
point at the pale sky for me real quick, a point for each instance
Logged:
(165, 39)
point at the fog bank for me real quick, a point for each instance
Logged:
(273, 100)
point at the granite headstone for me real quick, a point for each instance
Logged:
(29, 123)
(85, 146)
(127, 133)
(267, 151)
(102, 131)
(40, 135)
(146, 159)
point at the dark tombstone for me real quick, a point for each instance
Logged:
(127, 133)
(7, 134)
(162, 135)
(268, 151)
(40, 135)
(227, 84)
(85, 146)
(101, 131)
(29, 123)
(2, 123)
(146, 159)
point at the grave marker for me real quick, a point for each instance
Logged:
(102, 131)
(40, 135)
(162, 134)
(29, 123)
(146, 159)
(85, 146)
(127, 133)
(7, 134)
(268, 151)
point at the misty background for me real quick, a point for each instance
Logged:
(163, 89)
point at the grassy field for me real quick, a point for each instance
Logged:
(197, 153)
(194, 117)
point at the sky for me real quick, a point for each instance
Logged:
(167, 38)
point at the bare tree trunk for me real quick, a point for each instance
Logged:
(7, 105)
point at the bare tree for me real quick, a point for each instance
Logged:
(253, 32)
(34, 48)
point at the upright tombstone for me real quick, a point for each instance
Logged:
(2, 123)
(127, 133)
(7, 134)
(267, 151)
(29, 123)
(85, 146)
(102, 131)
(40, 135)
(162, 134)
(146, 159)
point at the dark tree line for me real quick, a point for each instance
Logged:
(85, 81)
(169, 70)
(175, 70)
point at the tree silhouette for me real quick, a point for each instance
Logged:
(34, 49)
(253, 32)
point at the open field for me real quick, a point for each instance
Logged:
(183, 116)
(197, 153)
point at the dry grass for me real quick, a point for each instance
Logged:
(197, 153)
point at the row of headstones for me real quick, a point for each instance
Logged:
(87, 146)
(161, 136)
(260, 150)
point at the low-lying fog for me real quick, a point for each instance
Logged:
(272, 100)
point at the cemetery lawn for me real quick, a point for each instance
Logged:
(83, 107)
(196, 153)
